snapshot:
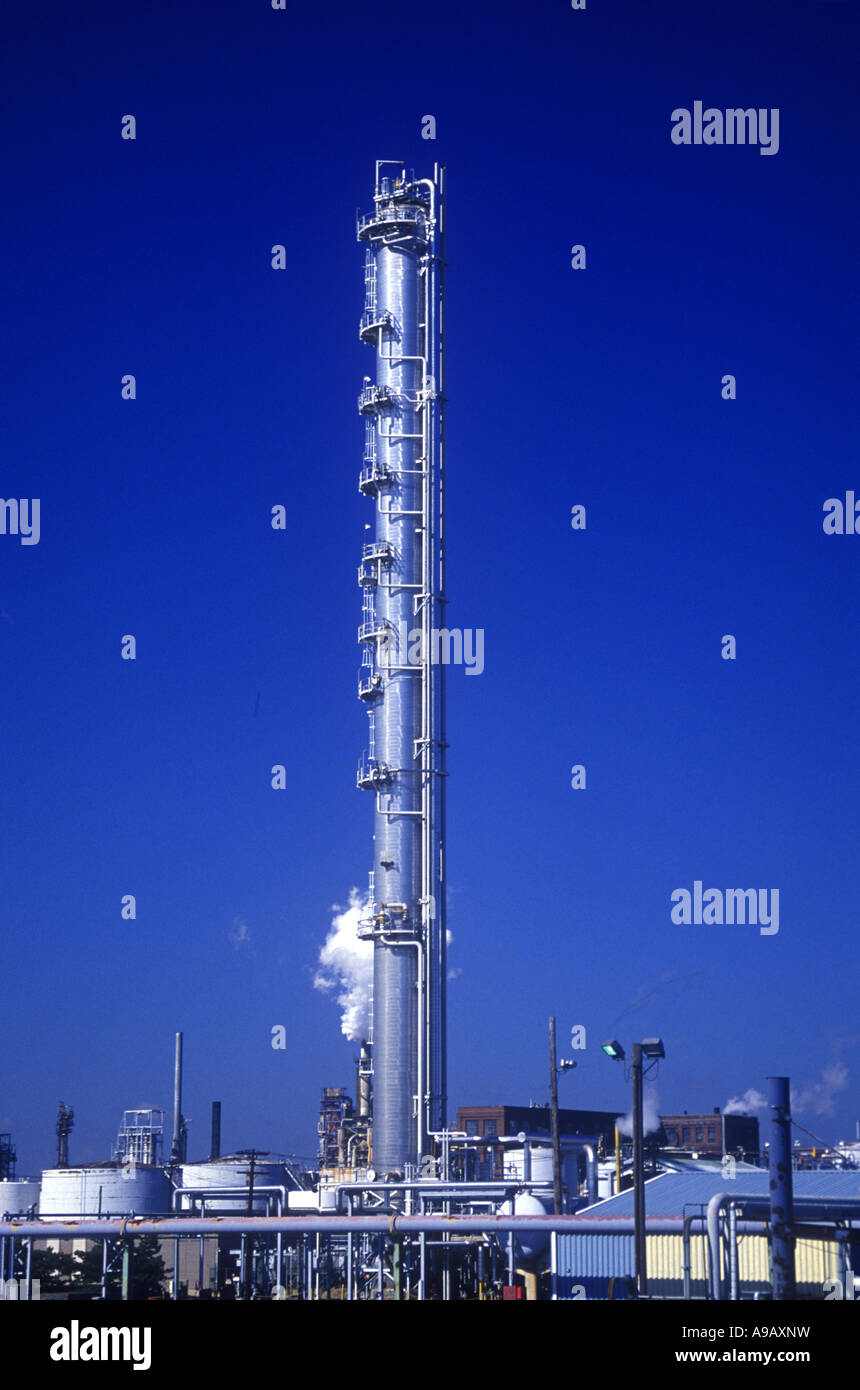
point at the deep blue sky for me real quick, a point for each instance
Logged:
(601, 387)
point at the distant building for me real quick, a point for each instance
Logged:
(493, 1122)
(713, 1133)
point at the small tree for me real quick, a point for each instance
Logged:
(53, 1269)
(147, 1269)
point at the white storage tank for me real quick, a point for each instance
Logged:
(527, 1244)
(232, 1172)
(17, 1195)
(106, 1189)
(605, 1179)
(541, 1160)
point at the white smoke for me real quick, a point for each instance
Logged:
(818, 1096)
(650, 1116)
(751, 1101)
(347, 963)
(239, 933)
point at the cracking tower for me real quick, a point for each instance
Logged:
(401, 680)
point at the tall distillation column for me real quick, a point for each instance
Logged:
(402, 680)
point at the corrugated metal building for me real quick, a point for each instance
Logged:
(584, 1265)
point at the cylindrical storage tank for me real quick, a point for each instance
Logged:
(17, 1195)
(541, 1160)
(605, 1179)
(232, 1171)
(106, 1189)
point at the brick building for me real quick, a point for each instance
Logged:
(493, 1122)
(713, 1133)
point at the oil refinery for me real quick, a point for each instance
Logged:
(403, 1199)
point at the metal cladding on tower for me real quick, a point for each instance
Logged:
(402, 579)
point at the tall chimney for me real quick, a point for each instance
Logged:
(177, 1152)
(215, 1144)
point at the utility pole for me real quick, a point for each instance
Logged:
(554, 1068)
(252, 1155)
(553, 1094)
(638, 1174)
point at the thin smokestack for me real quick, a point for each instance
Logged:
(215, 1145)
(176, 1153)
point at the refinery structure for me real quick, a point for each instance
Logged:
(401, 575)
(402, 1200)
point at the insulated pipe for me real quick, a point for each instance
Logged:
(591, 1173)
(491, 1195)
(349, 1256)
(841, 1209)
(434, 1187)
(687, 1261)
(734, 1272)
(384, 1224)
(210, 1194)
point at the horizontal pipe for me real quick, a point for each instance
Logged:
(384, 1223)
(212, 1194)
(431, 1187)
(808, 1231)
(446, 1190)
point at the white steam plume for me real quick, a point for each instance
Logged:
(347, 963)
(815, 1096)
(650, 1117)
(818, 1096)
(751, 1100)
